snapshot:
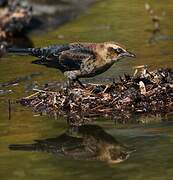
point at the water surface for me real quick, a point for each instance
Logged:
(123, 21)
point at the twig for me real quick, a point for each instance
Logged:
(30, 96)
(39, 90)
(9, 109)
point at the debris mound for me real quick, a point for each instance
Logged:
(143, 93)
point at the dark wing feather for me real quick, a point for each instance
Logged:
(52, 51)
(73, 58)
(49, 56)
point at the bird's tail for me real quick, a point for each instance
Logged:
(23, 147)
(23, 51)
(37, 52)
(42, 53)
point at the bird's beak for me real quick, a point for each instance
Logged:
(128, 54)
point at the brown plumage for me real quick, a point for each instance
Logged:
(79, 60)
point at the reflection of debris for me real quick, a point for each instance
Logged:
(88, 142)
(156, 22)
(20, 79)
(2, 91)
(149, 92)
(155, 18)
(60, 36)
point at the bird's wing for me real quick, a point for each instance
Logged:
(73, 58)
(53, 51)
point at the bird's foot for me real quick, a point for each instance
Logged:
(73, 77)
(71, 83)
(80, 83)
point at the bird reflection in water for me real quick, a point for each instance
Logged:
(87, 142)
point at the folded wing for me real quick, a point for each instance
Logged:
(73, 58)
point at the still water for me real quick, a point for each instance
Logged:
(128, 23)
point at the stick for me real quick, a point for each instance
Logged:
(9, 109)
(31, 95)
(39, 90)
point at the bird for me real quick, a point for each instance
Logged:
(78, 60)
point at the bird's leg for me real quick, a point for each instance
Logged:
(69, 83)
(79, 82)
(72, 77)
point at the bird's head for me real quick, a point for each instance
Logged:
(115, 51)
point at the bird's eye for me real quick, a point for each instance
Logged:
(119, 50)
